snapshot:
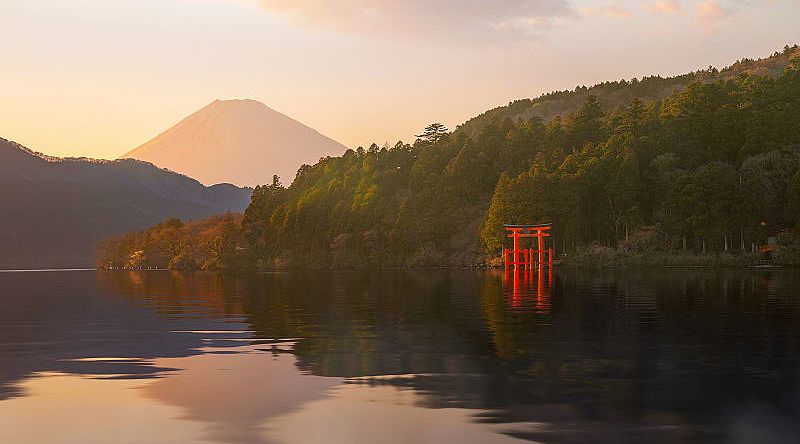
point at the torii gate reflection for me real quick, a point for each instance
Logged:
(522, 263)
(529, 289)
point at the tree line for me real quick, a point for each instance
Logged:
(712, 168)
(209, 244)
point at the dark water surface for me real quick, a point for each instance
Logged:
(399, 357)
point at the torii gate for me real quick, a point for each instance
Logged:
(525, 257)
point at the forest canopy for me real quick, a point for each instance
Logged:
(713, 167)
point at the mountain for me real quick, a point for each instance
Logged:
(238, 141)
(615, 94)
(713, 169)
(55, 210)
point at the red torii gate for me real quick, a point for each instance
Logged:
(525, 257)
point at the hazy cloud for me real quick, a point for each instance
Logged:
(608, 10)
(442, 18)
(666, 7)
(708, 14)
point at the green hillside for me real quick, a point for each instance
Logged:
(713, 167)
(617, 94)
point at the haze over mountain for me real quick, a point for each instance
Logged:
(238, 141)
(55, 210)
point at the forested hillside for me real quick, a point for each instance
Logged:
(54, 211)
(713, 167)
(614, 95)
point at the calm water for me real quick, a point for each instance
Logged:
(399, 357)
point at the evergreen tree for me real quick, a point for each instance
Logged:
(433, 133)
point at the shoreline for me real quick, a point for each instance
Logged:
(45, 270)
(477, 267)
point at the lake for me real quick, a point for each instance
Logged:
(428, 356)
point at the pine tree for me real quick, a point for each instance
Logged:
(433, 133)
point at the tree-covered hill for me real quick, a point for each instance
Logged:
(713, 167)
(615, 94)
(53, 211)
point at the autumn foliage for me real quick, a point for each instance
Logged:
(211, 244)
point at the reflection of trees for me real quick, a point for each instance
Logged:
(350, 324)
(683, 344)
(51, 321)
(522, 295)
(179, 295)
(609, 347)
(356, 324)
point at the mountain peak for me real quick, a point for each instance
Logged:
(234, 102)
(241, 141)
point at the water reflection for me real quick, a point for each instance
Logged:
(467, 356)
(233, 394)
(381, 414)
(529, 290)
(65, 408)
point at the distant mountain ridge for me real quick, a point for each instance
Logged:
(238, 141)
(55, 210)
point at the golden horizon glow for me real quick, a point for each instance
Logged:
(99, 78)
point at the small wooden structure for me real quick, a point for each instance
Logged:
(535, 255)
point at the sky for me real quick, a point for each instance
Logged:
(97, 78)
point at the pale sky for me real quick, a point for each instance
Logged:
(98, 78)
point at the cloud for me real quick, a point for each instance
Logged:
(663, 7)
(608, 10)
(443, 19)
(531, 26)
(708, 14)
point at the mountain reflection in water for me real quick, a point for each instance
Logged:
(400, 356)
